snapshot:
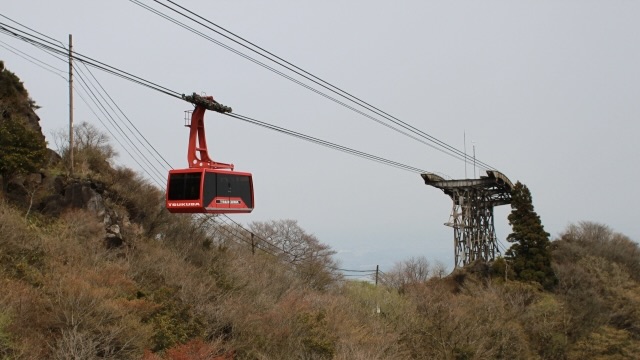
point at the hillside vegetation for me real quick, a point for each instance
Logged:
(94, 267)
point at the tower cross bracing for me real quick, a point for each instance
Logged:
(474, 235)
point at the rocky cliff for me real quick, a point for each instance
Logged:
(50, 190)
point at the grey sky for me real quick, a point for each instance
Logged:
(547, 90)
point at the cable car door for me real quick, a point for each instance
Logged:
(224, 190)
(234, 191)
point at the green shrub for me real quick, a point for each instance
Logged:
(22, 150)
(6, 343)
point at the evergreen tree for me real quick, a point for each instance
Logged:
(530, 254)
(22, 150)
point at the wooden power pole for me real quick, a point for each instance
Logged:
(70, 106)
(377, 272)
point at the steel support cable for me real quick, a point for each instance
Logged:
(130, 123)
(356, 271)
(290, 78)
(224, 226)
(78, 57)
(327, 143)
(86, 89)
(62, 57)
(236, 237)
(279, 251)
(263, 124)
(30, 38)
(114, 136)
(360, 101)
(103, 90)
(241, 238)
(283, 251)
(41, 34)
(33, 60)
(96, 102)
(30, 29)
(230, 232)
(277, 248)
(309, 138)
(501, 245)
(455, 153)
(57, 53)
(460, 155)
(113, 121)
(282, 130)
(228, 228)
(271, 244)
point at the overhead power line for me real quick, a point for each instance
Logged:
(146, 144)
(291, 259)
(41, 64)
(113, 135)
(128, 145)
(95, 96)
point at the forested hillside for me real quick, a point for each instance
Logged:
(93, 267)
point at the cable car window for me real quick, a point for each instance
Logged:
(210, 191)
(235, 186)
(184, 186)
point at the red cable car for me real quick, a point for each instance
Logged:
(207, 186)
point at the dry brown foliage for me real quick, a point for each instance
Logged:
(193, 287)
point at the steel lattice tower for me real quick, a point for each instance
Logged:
(474, 234)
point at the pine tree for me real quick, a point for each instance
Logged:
(22, 150)
(530, 254)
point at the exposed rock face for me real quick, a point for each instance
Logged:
(66, 193)
(85, 194)
(33, 120)
(114, 238)
(79, 194)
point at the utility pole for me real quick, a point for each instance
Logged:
(506, 269)
(253, 244)
(377, 302)
(70, 105)
(377, 272)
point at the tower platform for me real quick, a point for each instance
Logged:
(474, 235)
